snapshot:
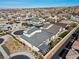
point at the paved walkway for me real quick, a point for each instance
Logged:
(23, 53)
(4, 53)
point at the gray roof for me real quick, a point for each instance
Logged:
(43, 48)
(46, 25)
(32, 30)
(53, 30)
(37, 38)
(35, 19)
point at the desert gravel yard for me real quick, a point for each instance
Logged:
(12, 46)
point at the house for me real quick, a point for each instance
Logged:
(36, 21)
(56, 18)
(75, 18)
(7, 27)
(39, 38)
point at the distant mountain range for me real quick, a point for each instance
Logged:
(45, 7)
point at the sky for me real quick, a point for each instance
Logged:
(37, 3)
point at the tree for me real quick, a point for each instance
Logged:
(74, 24)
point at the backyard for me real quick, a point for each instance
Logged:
(53, 43)
(56, 41)
(12, 46)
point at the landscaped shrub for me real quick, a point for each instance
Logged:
(53, 43)
(37, 55)
(63, 34)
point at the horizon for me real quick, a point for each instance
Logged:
(37, 3)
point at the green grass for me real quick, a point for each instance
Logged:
(2, 32)
(63, 34)
(53, 43)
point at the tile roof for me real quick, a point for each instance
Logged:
(76, 45)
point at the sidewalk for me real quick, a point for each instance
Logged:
(4, 53)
